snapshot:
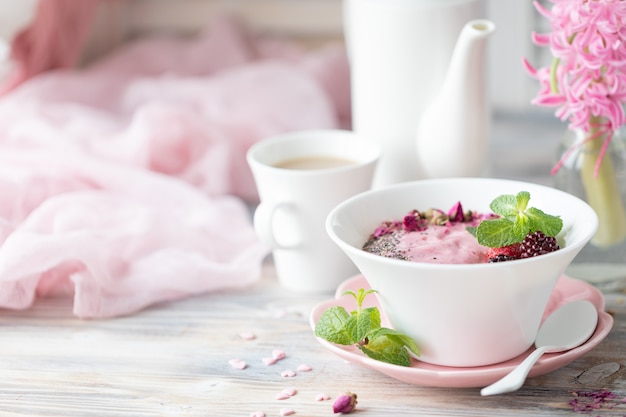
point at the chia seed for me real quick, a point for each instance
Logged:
(385, 245)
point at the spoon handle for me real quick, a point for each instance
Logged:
(515, 379)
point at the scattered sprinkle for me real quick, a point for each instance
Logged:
(591, 401)
(257, 414)
(288, 373)
(322, 397)
(269, 361)
(286, 393)
(238, 364)
(286, 412)
(247, 336)
(304, 368)
(278, 354)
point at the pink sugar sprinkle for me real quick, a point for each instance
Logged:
(269, 361)
(322, 397)
(278, 354)
(290, 391)
(247, 336)
(304, 368)
(286, 412)
(257, 414)
(286, 393)
(288, 373)
(238, 364)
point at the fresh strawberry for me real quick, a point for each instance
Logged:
(505, 253)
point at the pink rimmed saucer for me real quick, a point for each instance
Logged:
(425, 374)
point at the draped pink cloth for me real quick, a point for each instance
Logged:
(125, 183)
(53, 40)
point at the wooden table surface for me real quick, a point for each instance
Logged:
(173, 359)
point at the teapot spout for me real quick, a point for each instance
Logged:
(452, 134)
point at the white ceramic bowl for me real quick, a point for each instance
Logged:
(461, 315)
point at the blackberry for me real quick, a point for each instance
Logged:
(501, 258)
(537, 243)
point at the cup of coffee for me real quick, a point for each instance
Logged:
(300, 176)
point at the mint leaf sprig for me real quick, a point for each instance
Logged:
(361, 327)
(515, 221)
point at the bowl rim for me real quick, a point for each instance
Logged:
(412, 264)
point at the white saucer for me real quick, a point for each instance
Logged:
(424, 374)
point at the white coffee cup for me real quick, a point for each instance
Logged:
(295, 200)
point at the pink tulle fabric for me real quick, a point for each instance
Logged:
(53, 40)
(125, 183)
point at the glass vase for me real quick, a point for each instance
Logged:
(603, 261)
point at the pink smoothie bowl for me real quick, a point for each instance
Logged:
(461, 315)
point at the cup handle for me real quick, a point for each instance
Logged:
(264, 216)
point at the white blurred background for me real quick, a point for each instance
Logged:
(311, 22)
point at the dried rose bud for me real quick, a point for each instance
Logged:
(345, 403)
(456, 212)
(411, 221)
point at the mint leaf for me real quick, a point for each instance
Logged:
(332, 326)
(522, 198)
(361, 327)
(496, 233)
(397, 337)
(359, 296)
(361, 322)
(521, 226)
(387, 349)
(504, 205)
(515, 222)
(548, 224)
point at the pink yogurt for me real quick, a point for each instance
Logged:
(450, 244)
(417, 238)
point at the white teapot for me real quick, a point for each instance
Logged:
(410, 94)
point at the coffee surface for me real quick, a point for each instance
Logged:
(314, 162)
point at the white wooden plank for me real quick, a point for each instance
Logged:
(296, 17)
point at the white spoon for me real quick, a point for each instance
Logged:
(568, 327)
